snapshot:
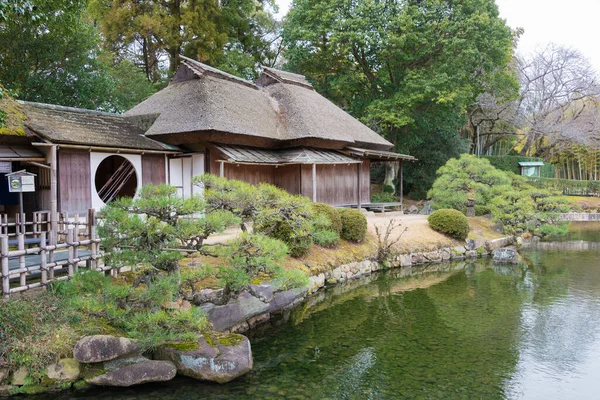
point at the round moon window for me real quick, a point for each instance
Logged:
(115, 177)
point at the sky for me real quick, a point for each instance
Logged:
(572, 23)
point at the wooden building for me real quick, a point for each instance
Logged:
(277, 130)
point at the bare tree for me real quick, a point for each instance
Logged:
(559, 92)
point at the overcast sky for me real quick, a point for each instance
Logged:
(572, 23)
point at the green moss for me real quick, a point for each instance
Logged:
(229, 339)
(182, 346)
(81, 385)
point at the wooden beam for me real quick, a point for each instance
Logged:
(314, 182)
(401, 185)
(53, 195)
(358, 186)
(222, 169)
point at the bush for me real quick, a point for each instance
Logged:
(482, 210)
(450, 222)
(384, 197)
(288, 279)
(326, 238)
(332, 214)
(465, 177)
(354, 225)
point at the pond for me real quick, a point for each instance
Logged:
(452, 331)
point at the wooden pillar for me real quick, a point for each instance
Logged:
(358, 185)
(222, 169)
(43, 259)
(5, 271)
(401, 184)
(314, 182)
(53, 195)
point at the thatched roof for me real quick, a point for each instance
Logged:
(85, 127)
(11, 123)
(204, 104)
(220, 103)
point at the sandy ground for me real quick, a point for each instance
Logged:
(415, 231)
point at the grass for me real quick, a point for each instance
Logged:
(37, 331)
(481, 228)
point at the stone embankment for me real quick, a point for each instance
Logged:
(104, 360)
(260, 303)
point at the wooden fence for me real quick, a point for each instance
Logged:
(55, 257)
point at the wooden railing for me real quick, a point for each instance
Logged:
(55, 257)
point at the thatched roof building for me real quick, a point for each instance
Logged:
(281, 109)
(277, 130)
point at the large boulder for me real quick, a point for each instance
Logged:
(99, 348)
(135, 374)
(65, 370)
(505, 255)
(221, 358)
(19, 377)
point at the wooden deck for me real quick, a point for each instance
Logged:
(381, 207)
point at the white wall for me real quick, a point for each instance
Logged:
(181, 172)
(95, 160)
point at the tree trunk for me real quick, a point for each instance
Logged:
(391, 173)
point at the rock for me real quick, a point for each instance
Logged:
(520, 241)
(118, 363)
(4, 373)
(416, 258)
(263, 291)
(433, 256)
(405, 260)
(285, 299)
(65, 370)
(235, 312)
(527, 236)
(258, 320)
(99, 348)
(471, 254)
(535, 239)
(136, 374)
(217, 297)
(412, 210)
(225, 358)
(505, 255)
(5, 390)
(19, 376)
(446, 254)
(490, 245)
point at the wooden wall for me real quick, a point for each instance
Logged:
(74, 185)
(153, 169)
(336, 184)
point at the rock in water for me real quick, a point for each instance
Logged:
(220, 359)
(136, 374)
(505, 255)
(65, 370)
(99, 348)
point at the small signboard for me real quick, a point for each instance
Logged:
(21, 181)
(5, 167)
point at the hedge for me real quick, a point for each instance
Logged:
(511, 164)
(568, 187)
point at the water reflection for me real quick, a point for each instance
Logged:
(454, 331)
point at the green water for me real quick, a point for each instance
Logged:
(458, 331)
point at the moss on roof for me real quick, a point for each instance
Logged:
(11, 115)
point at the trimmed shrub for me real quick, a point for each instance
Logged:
(449, 222)
(326, 238)
(480, 211)
(298, 244)
(354, 225)
(331, 213)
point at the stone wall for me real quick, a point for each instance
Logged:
(254, 307)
